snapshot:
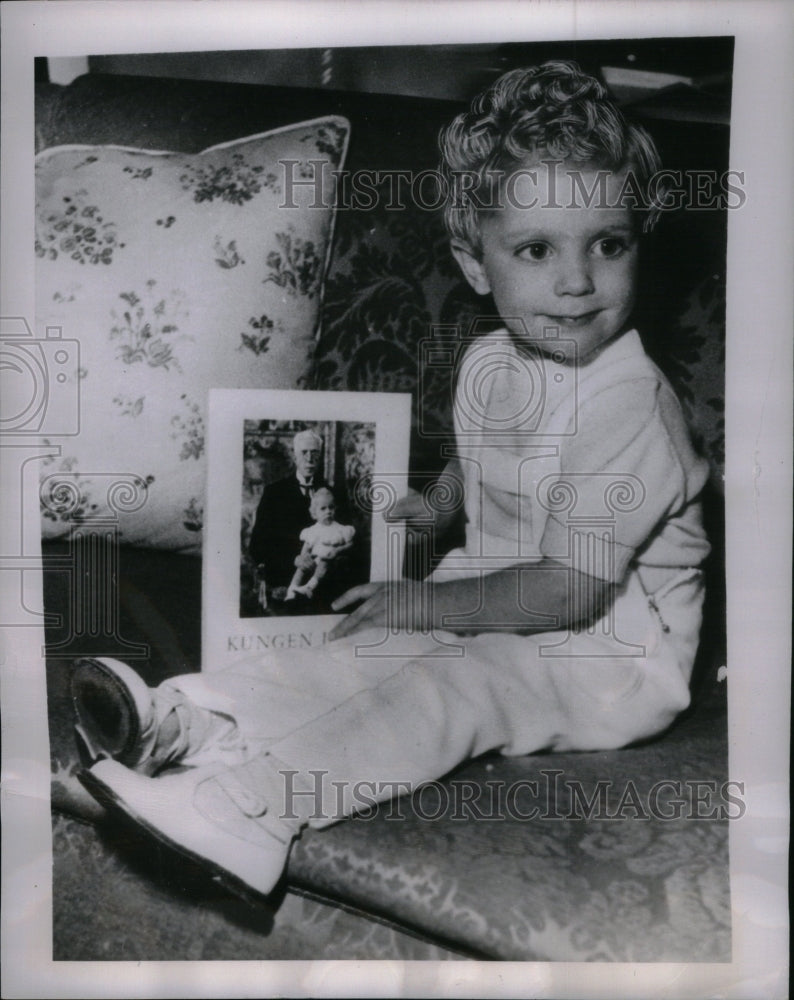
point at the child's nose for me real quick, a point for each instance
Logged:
(574, 277)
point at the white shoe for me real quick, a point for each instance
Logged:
(217, 816)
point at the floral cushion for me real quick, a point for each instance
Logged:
(169, 274)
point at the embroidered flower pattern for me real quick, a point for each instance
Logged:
(296, 268)
(145, 329)
(259, 341)
(329, 139)
(78, 230)
(235, 182)
(139, 173)
(226, 255)
(69, 295)
(129, 407)
(66, 499)
(190, 428)
(308, 171)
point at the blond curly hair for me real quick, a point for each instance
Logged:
(549, 112)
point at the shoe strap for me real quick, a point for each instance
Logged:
(257, 789)
(251, 802)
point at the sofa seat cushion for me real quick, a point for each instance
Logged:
(111, 903)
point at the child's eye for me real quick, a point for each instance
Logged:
(610, 247)
(534, 251)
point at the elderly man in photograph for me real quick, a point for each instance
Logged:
(283, 512)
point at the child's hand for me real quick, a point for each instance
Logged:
(401, 605)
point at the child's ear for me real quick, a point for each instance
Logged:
(471, 266)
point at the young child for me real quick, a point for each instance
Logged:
(323, 541)
(576, 597)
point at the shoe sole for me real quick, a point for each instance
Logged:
(220, 875)
(106, 710)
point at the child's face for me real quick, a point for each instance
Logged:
(572, 267)
(324, 511)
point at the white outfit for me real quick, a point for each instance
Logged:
(594, 471)
(325, 540)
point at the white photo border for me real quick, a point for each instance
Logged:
(229, 409)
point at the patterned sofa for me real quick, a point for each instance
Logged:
(619, 884)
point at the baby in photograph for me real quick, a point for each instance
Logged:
(574, 604)
(323, 541)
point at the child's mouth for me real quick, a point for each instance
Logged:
(581, 320)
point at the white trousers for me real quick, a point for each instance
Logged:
(396, 714)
